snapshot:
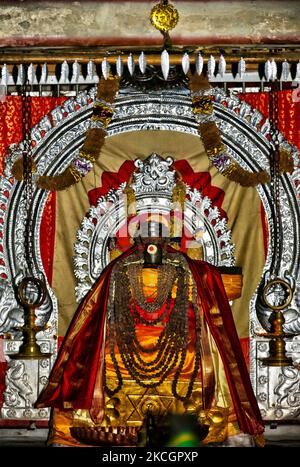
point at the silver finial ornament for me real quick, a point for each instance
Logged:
(285, 71)
(273, 70)
(31, 74)
(211, 65)
(142, 62)
(90, 71)
(268, 70)
(64, 75)
(119, 66)
(130, 64)
(44, 75)
(75, 72)
(199, 64)
(241, 67)
(21, 75)
(165, 64)
(222, 66)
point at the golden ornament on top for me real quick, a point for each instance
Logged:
(164, 17)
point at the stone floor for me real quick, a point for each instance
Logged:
(282, 436)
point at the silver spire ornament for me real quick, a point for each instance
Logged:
(241, 67)
(222, 66)
(130, 64)
(185, 63)
(165, 64)
(211, 65)
(119, 66)
(199, 64)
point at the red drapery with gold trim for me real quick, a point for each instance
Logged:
(11, 132)
(81, 353)
(11, 119)
(288, 108)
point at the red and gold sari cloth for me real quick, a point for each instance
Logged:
(76, 381)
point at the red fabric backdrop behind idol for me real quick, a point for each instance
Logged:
(11, 132)
(289, 123)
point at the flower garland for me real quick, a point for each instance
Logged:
(90, 151)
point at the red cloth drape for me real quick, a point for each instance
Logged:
(11, 132)
(288, 109)
(80, 354)
(47, 235)
(11, 119)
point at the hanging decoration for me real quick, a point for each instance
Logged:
(90, 151)
(164, 17)
(277, 293)
(31, 291)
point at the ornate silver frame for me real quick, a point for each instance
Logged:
(58, 144)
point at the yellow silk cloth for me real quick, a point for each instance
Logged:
(221, 416)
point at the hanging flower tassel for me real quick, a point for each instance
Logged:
(59, 182)
(197, 82)
(108, 88)
(216, 151)
(211, 138)
(237, 174)
(18, 169)
(88, 154)
(90, 151)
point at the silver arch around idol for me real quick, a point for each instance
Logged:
(153, 184)
(57, 138)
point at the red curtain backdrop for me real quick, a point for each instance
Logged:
(289, 111)
(289, 123)
(11, 119)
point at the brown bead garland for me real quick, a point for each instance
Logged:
(170, 349)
